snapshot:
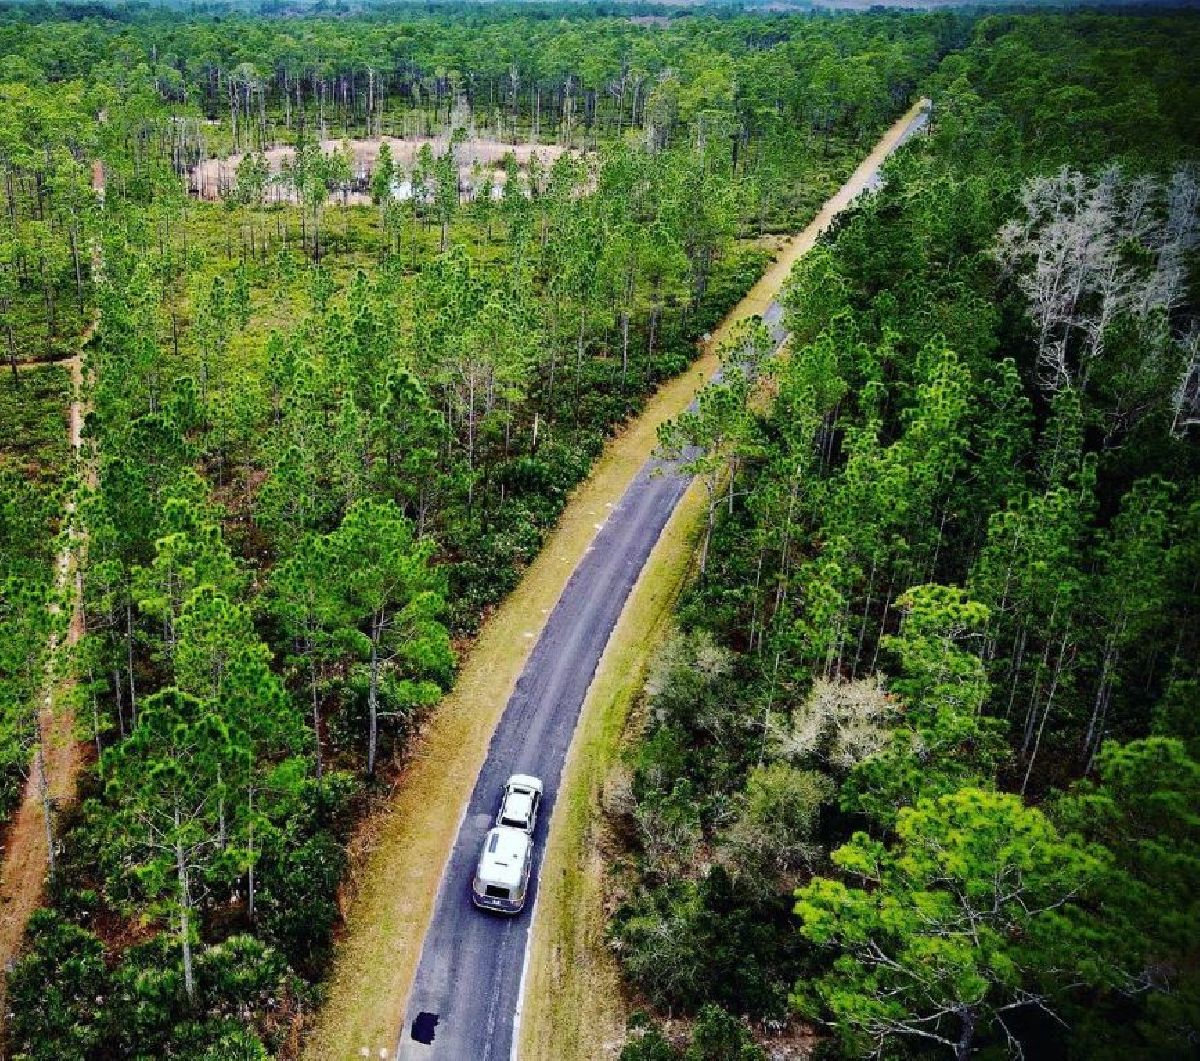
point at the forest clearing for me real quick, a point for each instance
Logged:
(478, 162)
(894, 749)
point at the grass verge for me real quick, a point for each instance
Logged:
(573, 1006)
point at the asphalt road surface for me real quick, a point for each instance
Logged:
(469, 975)
(464, 1000)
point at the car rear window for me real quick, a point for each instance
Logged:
(493, 891)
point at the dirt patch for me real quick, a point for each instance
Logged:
(26, 848)
(214, 178)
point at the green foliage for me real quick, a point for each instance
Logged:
(25, 626)
(944, 740)
(329, 434)
(34, 464)
(715, 939)
(68, 1002)
(989, 385)
(648, 1044)
(717, 1036)
(58, 991)
(174, 779)
(385, 600)
(971, 915)
(298, 901)
(1144, 806)
(776, 828)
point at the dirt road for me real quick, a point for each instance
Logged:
(59, 754)
(56, 761)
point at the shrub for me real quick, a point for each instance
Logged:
(216, 1040)
(58, 991)
(646, 1043)
(780, 812)
(719, 1036)
(691, 942)
(297, 900)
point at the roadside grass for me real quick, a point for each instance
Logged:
(398, 861)
(573, 1006)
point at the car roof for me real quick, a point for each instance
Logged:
(505, 852)
(518, 805)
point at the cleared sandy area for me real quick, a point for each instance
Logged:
(477, 158)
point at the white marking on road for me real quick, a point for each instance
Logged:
(514, 1049)
(441, 880)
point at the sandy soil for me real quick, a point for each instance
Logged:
(214, 177)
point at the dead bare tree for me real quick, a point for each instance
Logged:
(1187, 395)
(1090, 251)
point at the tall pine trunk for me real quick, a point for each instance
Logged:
(185, 910)
(373, 695)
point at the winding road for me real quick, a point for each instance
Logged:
(466, 999)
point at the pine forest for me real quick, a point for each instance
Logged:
(319, 321)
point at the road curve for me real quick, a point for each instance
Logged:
(464, 1000)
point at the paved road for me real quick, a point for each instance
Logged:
(464, 1000)
(471, 962)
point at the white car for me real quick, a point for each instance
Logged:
(519, 807)
(502, 877)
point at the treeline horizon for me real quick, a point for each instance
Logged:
(499, 9)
